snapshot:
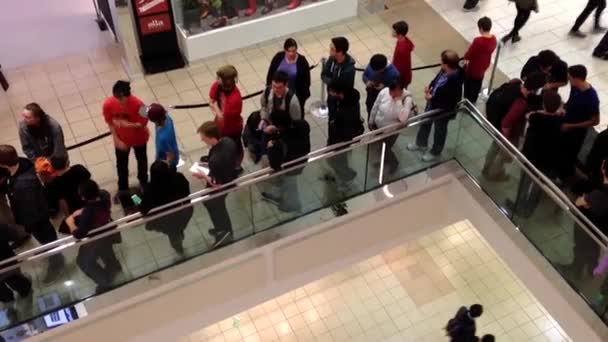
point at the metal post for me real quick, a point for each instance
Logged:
(486, 92)
(319, 108)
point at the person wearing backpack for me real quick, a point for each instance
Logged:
(506, 109)
(394, 105)
(279, 98)
(287, 140)
(462, 327)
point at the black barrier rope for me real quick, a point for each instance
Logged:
(204, 105)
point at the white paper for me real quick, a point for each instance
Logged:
(198, 168)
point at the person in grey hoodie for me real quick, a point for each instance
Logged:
(340, 65)
(40, 134)
(393, 105)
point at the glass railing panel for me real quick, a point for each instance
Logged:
(560, 235)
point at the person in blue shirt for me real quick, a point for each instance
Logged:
(166, 142)
(378, 75)
(582, 113)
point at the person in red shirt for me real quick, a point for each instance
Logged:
(478, 58)
(402, 56)
(129, 130)
(226, 104)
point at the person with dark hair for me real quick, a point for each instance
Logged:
(478, 59)
(288, 140)
(462, 327)
(223, 154)
(166, 141)
(524, 9)
(506, 110)
(15, 233)
(487, 338)
(377, 75)
(594, 205)
(340, 65)
(592, 5)
(13, 280)
(582, 113)
(167, 186)
(65, 184)
(95, 213)
(540, 148)
(402, 55)
(129, 131)
(29, 205)
(279, 97)
(551, 65)
(297, 68)
(393, 105)
(226, 104)
(40, 134)
(344, 124)
(443, 93)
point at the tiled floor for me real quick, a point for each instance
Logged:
(405, 294)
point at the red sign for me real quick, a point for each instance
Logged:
(147, 7)
(155, 23)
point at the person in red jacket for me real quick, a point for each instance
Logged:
(402, 57)
(478, 58)
(226, 104)
(129, 130)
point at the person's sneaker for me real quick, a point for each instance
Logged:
(413, 147)
(599, 29)
(577, 34)
(222, 239)
(505, 39)
(339, 209)
(268, 197)
(429, 157)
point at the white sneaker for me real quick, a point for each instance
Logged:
(414, 147)
(429, 157)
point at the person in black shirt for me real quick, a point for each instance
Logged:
(64, 186)
(223, 155)
(540, 148)
(586, 251)
(551, 65)
(582, 113)
(29, 205)
(598, 6)
(167, 185)
(95, 213)
(462, 327)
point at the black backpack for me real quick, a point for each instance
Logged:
(500, 101)
(455, 325)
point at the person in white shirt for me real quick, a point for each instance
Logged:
(393, 105)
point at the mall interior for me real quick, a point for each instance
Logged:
(362, 234)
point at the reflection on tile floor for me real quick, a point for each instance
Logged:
(405, 294)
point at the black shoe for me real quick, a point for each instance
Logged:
(577, 34)
(505, 39)
(599, 29)
(222, 239)
(515, 39)
(339, 209)
(21, 242)
(268, 197)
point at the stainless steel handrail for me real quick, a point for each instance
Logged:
(249, 179)
(537, 176)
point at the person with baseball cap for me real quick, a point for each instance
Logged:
(166, 142)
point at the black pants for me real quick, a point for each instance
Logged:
(472, 87)
(44, 232)
(88, 260)
(122, 166)
(14, 281)
(238, 140)
(372, 94)
(219, 214)
(571, 144)
(439, 137)
(602, 47)
(586, 252)
(598, 6)
(302, 104)
(520, 20)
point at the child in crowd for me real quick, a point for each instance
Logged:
(402, 56)
(478, 58)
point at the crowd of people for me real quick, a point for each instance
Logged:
(43, 186)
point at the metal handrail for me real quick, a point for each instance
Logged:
(538, 176)
(208, 193)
